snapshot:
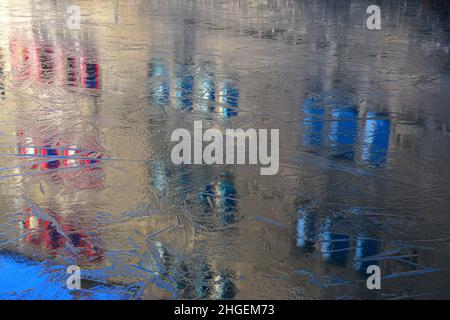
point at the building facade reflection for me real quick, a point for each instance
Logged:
(365, 247)
(335, 246)
(52, 232)
(307, 230)
(206, 89)
(209, 70)
(376, 138)
(220, 197)
(345, 131)
(2, 76)
(159, 83)
(229, 95)
(194, 276)
(197, 87)
(48, 62)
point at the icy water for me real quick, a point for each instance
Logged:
(86, 176)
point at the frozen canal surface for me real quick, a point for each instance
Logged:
(86, 176)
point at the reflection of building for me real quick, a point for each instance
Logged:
(45, 54)
(344, 131)
(46, 155)
(60, 156)
(45, 281)
(159, 83)
(313, 123)
(358, 248)
(46, 61)
(269, 89)
(195, 278)
(185, 86)
(2, 76)
(229, 95)
(335, 246)
(306, 230)
(52, 232)
(193, 87)
(89, 74)
(43, 59)
(220, 197)
(365, 247)
(376, 138)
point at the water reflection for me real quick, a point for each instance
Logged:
(207, 89)
(307, 230)
(159, 83)
(345, 127)
(86, 174)
(90, 75)
(229, 95)
(221, 197)
(195, 85)
(357, 251)
(185, 86)
(197, 279)
(53, 232)
(313, 123)
(72, 71)
(2, 80)
(344, 131)
(335, 246)
(45, 55)
(376, 138)
(339, 248)
(47, 62)
(47, 281)
(45, 154)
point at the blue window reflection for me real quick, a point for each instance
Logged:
(376, 138)
(207, 95)
(22, 278)
(2, 86)
(344, 131)
(222, 195)
(185, 85)
(46, 62)
(160, 175)
(335, 246)
(313, 123)
(92, 76)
